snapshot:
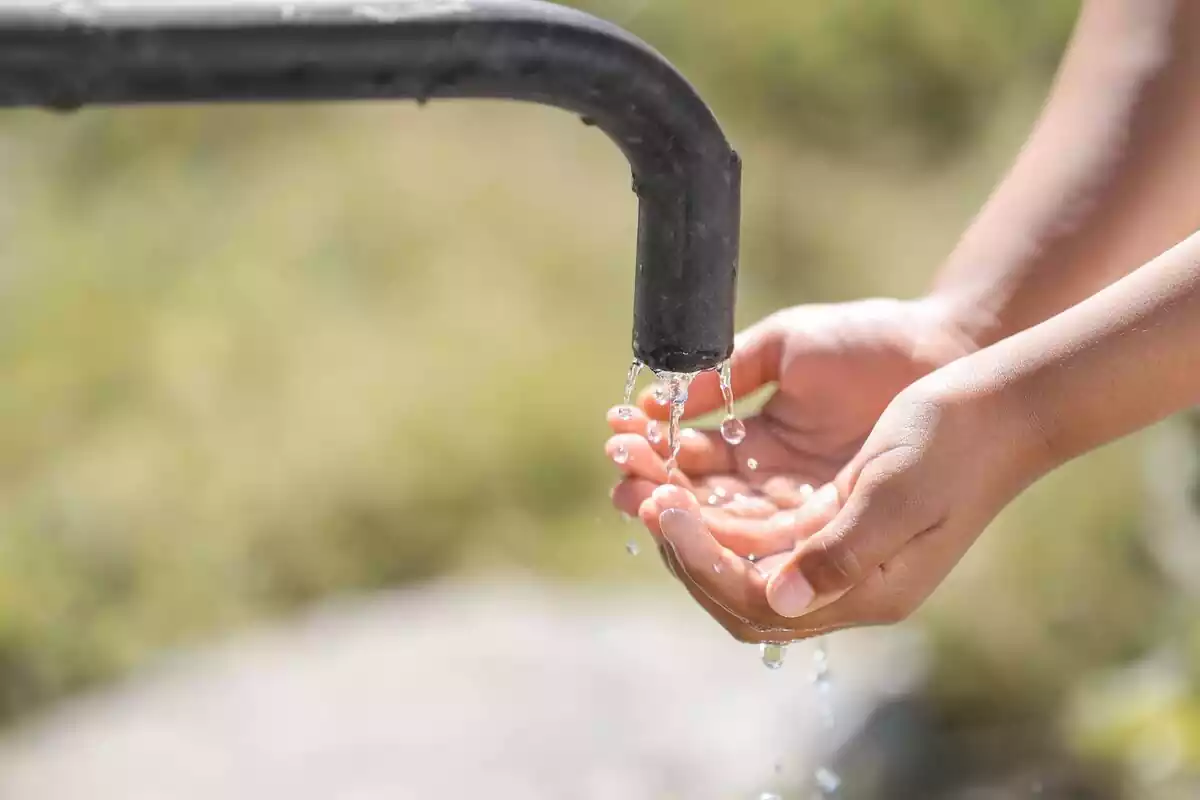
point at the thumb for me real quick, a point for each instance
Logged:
(755, 362)
(880, 515)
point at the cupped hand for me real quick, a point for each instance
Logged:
(738, 537)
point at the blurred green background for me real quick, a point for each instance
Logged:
(253, 357)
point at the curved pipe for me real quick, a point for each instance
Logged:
(83, 52)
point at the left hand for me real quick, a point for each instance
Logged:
(871, 545)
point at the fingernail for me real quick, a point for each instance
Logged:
(666, 495)
(675, 522)
(789, 594)
(625, 412)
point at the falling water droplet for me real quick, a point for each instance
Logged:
(625, 412)
(773, 654)
(625, 517)
(654, 433)
(661, 394)
(620, 454)
(677, 392)
(632, 548)
(822, 680)
(752, 464)
(727, 387)
(733, 430)
(635, 369)
(827, 780)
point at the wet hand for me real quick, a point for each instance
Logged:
(871, 545)
(834, 369)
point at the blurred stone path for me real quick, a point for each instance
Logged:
(486, 691)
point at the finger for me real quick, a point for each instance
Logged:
(636, 458)
(779, 533)
(894, 590)
(748, 506)
(877, 520)
(630, 493)
(754, 363)
(740, 629)
(630, 419)
(730, 581)
(704, 452)
(718, 490)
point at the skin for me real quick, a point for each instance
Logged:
(1036, 344)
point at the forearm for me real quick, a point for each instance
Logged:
(1105, 182)
(1117, 362)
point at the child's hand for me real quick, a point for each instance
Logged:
(870, 546)
(837, 368)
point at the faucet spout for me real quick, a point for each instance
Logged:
(72, 53)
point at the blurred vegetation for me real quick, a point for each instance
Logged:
(256, 356)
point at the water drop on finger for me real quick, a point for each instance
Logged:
(620, 454)
(654, 433)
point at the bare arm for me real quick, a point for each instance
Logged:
(1107, 180)
(1115, 363)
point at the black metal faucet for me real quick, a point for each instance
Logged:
(68, 54)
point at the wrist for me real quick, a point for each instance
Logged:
(996, 407)
(965, 316)
(951, 330)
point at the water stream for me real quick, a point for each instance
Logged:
(672, 389)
